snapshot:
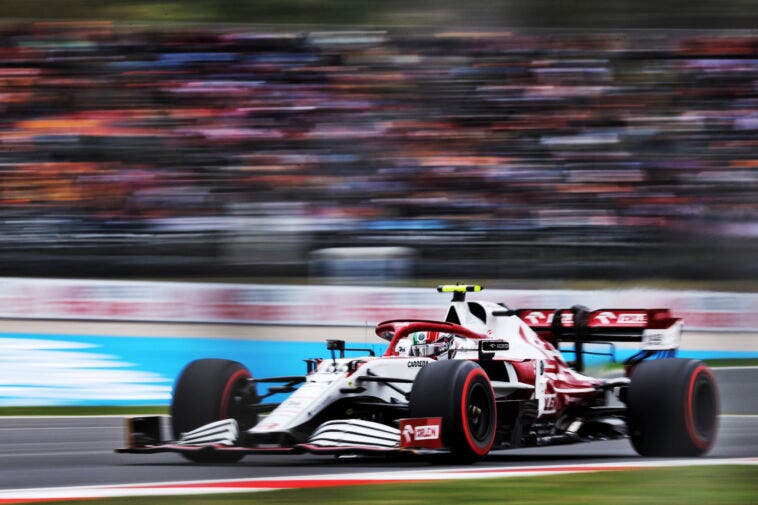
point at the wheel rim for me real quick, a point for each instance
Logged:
(703, 407)
(479, 413)
(238, 399)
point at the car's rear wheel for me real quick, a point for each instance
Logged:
(460, 393)
(673, 408)
(209, 390)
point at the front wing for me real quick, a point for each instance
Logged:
(296, 449)
(144, 436)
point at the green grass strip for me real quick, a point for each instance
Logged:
(82, 411)
(713, 363)
(723, 485)
(716, 363)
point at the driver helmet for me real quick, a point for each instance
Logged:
(424, 337)
(429, 343)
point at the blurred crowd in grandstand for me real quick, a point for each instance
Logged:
(546, 153)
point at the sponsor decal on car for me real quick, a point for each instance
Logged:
(422, 432)
(426, 432)
(537, 317)
(608, 318)
(417, 364)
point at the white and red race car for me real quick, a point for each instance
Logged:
(485, 378)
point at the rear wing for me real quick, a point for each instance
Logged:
(655, 329)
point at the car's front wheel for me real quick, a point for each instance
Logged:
(460, 393)
(209, 390)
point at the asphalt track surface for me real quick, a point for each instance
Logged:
(48, 452)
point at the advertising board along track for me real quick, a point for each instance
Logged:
(185, 302)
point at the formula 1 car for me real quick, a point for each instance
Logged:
(485, 378)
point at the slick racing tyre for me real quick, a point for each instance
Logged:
(210, 390)
(673, 408)
(460, 393)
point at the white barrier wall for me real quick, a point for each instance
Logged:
(333, 305)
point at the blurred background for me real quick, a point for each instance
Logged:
(379, 141)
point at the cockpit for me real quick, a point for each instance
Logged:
(425, 338)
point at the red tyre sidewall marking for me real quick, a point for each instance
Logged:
(689, 415)
(479, 451)
(223, 411)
